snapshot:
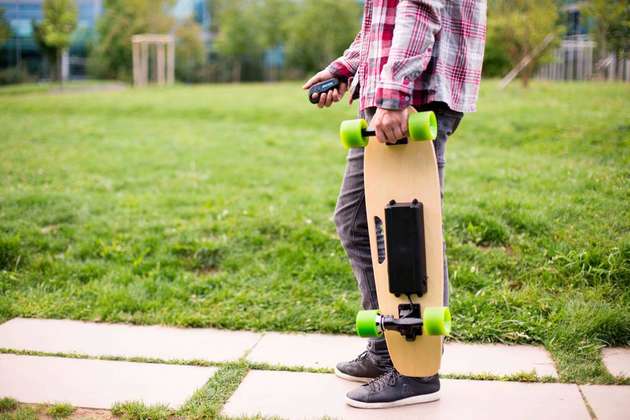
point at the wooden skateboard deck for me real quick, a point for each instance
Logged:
(405, 173)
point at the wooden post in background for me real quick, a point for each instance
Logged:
(171, 61)
(163, 64)
(159, 49)
(136, 62)
(144, 66)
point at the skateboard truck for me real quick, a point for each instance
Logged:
(409, 324)
(436, 321)
(421, 126)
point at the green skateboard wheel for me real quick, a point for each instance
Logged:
(437, 321)
(350, 133)
(422, 126)
(367, 325)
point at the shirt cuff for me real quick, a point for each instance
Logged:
(341, 69)
(392, 96)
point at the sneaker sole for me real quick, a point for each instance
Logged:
(351, 378)
(419, 399)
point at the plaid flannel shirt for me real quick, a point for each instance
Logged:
(412, 52)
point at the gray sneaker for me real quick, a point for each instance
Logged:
(364, 368)
(392, 390)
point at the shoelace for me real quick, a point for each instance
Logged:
(388, 378)
(361, 356)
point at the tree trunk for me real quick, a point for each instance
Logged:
(236, 71)
(526, 75)
(59, 66)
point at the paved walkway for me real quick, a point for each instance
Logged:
(92, 383)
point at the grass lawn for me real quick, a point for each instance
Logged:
(212, 205)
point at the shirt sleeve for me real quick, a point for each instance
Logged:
(417, 22)
(347, 65)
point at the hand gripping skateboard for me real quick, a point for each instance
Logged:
(402, 197)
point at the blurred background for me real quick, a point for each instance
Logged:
(256, 40)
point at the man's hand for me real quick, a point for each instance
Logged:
(390, 125)
(328, 98)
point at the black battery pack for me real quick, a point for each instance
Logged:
(406, 255)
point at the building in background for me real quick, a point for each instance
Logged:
(195, 9)
(198, 11)
(575, 59)
(22, 51)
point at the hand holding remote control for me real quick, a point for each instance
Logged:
(324, 89)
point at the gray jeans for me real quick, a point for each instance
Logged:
(351, 217)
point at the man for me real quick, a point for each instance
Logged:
(424, 53)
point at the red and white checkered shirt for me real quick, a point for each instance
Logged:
(412, 52)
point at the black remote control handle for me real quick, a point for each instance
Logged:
(323, 87)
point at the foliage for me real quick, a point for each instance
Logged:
(207, 402)
(49, 53)
(57, 27)
(611, 25)
(190, 51)
(237, 39)
(273, 18)
(111, 56)
(321, 31)
(517, 27)
(59, 22)
(7, 404)
(5, 29)
(496, 62)
(60, 410)
(14, 75)
(136, 410)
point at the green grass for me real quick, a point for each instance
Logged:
(136, 410)
(55, 88)
(7, 404)
(11, 409)
(206, 403)
(211, 206)
(60, 410)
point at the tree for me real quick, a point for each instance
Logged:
(273, 18)
(238, 38)
(49, 53)
(5, 29)
(496, 62)
(320, 32)
(111, 56)
(273, 24)
(190, 51)
(57, 27)
(611, 26)
(520, 28)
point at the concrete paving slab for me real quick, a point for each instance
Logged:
(95, 339)
(97, 383)
(306, 350)
(298, 395)
(617, 360)
(609, 402)
(325, 351)
(496, 359)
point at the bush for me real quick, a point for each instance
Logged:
(14, 75)
(496, 62)
(60, 411)
(312, 41)
(190, 52)
(7, 404)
